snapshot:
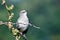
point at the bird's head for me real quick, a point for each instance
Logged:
(23, 12)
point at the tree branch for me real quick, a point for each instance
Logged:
(9, 24)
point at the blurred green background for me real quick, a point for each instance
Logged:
(42, 13)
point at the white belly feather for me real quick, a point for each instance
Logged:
(24, 23)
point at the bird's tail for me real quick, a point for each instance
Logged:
(34, 26)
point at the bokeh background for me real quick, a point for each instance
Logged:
(42, 13)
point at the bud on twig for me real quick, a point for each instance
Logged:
(10, 7)
(1, 22)
(10, 17)
(3, 2)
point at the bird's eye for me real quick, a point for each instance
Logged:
(23, 12)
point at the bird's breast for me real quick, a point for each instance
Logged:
(23, 20)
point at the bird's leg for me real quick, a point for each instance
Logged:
(24, 36)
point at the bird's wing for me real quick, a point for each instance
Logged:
(17, 25)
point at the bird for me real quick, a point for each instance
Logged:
(22, 23)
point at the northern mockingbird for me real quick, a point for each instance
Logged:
(23, 22)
